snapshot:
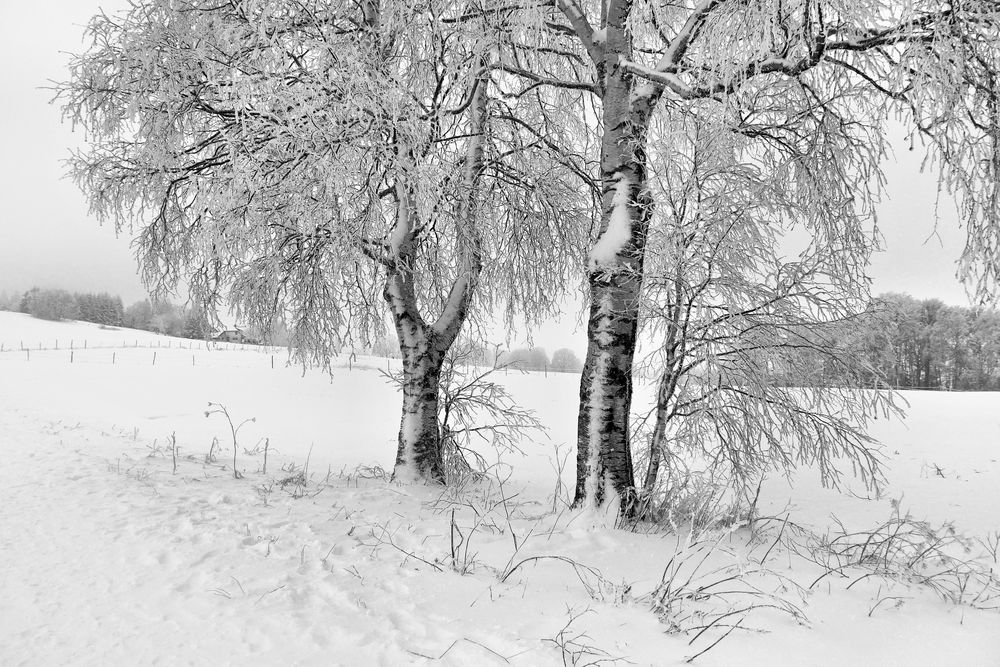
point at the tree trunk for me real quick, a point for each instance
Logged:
(418, 454)
(424, 343)
(656, 448)
(604, 456)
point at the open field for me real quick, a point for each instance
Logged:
(109, 556)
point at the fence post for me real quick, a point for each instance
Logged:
(192, 360)
(71, 355)
(114, 355)
(29, 354)
(154, 357)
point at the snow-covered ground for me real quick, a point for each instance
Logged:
(109, 557)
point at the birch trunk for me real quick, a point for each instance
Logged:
(675, 347)
(418, 453)
(657, 443)
(419, 433)
(424, 344)
(604, 456)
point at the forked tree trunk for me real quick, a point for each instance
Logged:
(418, 453)
(424, 343)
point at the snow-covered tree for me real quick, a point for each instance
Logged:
(327, 163)
(806, 88)
(564, 360)
(49, 304)
(138, 315)
(746, 325)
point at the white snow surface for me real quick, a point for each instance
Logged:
(110, 558)
(619, 230)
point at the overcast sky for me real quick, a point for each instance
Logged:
(48, 239)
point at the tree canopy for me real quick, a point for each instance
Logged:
(257, 149)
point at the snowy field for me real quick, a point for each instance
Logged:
(108, 556)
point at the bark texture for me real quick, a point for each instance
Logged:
(418, 454)
(604, 457)
(656, 448)
(423, 344)
(675, 348)
(604, 454)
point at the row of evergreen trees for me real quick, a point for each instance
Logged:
(107, 310)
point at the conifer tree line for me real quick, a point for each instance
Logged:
(108, 310)
(60, 304)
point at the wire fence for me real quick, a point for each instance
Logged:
(137, 351)
(106, 344)
(175, 353)
(194, 353)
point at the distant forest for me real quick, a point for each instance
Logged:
(563, 360)
(108, 310)
(925, 344)
(914, 343)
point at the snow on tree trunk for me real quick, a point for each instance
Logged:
(418, 456)
(604, 456)
(424, 344)
(418, 453)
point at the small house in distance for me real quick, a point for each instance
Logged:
(234, 335)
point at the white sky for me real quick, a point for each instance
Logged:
(48, 239)
(46, 236)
